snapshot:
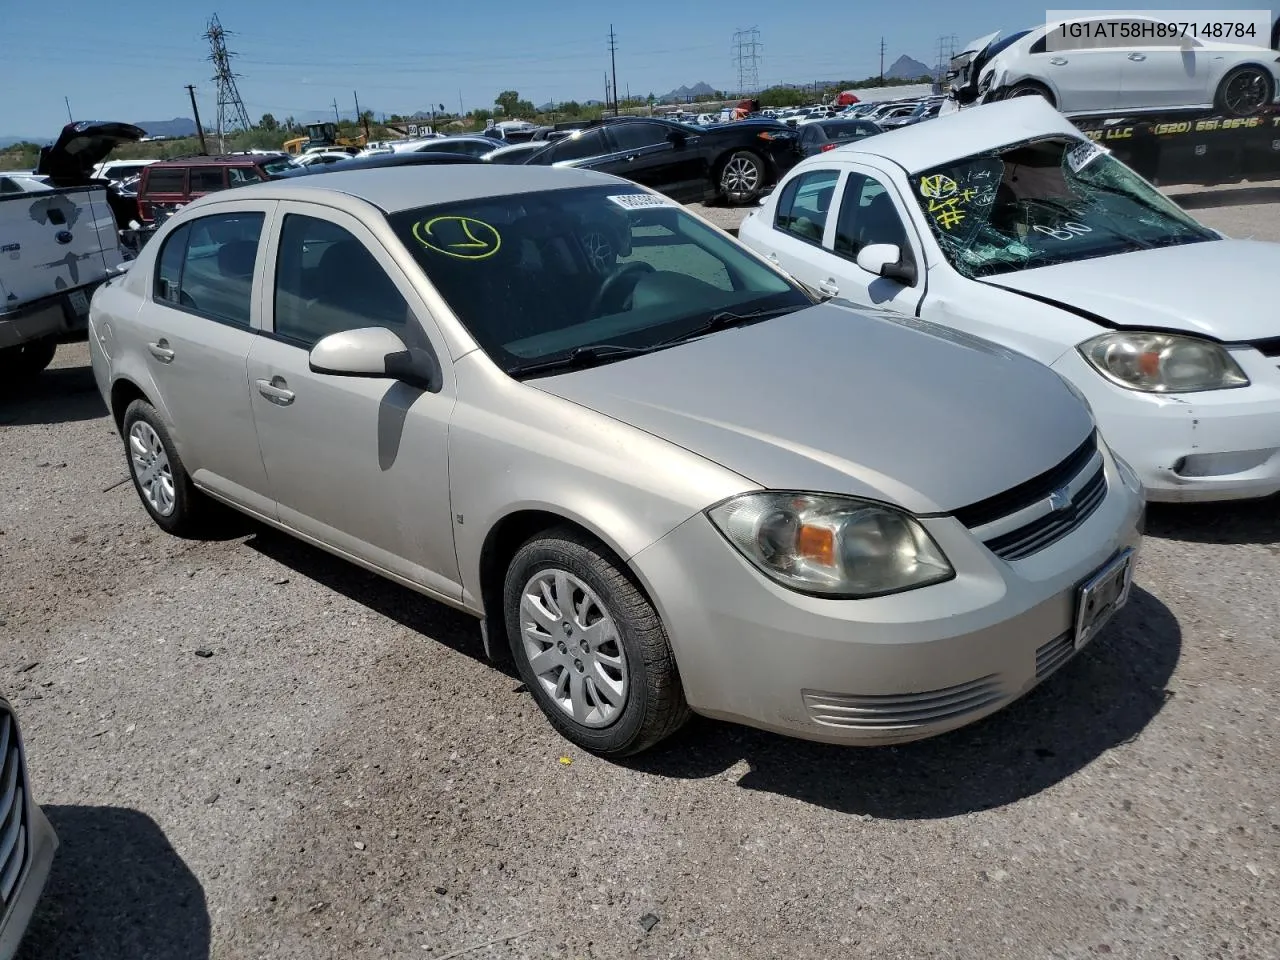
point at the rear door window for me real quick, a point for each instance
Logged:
(167, 180)
(207, 179)
(206, 266)
(804, 205)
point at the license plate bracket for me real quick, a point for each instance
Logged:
(79, 302)
(1099, 597)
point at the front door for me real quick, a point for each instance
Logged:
(647, 156)
(360, 464)
(199, 324)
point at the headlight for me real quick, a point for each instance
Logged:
(834, 546)
(1163, 362)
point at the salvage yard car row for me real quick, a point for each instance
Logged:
(869, 475)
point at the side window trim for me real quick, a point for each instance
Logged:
(267, 211)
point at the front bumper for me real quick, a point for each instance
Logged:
(928, 660)
(1192, 447)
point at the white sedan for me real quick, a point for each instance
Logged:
(1004, 222)
(1120, 63)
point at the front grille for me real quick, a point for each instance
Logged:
(903, 711)
(1054, 525)
(1054, 654)
(1026, 494)
(13, 810)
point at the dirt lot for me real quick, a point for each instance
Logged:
(345, 777)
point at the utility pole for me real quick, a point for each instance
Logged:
(606, 90)
(336, 118)
(882, 61)
(613, 58)
(191, 90)
(459, 104)
(67, 101)
(360, 117)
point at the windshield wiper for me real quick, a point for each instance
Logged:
(580, 357)
(726, 319)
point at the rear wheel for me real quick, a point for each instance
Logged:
(1244, 91)
(742, 177)
(158, 474)
(1029, 88)
(590, 647)
(26, 360)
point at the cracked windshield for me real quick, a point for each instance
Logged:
(1051, 201)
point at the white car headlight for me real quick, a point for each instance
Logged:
(1163, 362)
(833, 546)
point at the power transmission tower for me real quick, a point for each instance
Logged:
(746, 56)
(946, 50)
(613, 60)
(231, 109)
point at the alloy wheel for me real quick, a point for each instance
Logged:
(573, 648)
(1246, 92)
(741, 176)
(151, 468)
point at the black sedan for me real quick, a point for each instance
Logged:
(823, 135)
(736, 161)
(470, 146)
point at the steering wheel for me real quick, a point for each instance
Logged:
(633, 270)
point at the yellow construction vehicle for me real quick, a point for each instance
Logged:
(322, 135)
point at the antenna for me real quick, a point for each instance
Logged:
(231, 111)
(746, 55)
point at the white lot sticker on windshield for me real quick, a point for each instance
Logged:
(637, 201)
(1081, 156)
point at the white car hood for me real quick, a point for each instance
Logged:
(1223, 289)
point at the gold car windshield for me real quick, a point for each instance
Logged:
(1045, 202)
(542, 274)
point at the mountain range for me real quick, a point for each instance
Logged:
(905, 68)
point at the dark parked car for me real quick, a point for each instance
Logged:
(737, 161)
(823, 135)
(407, 159)
(468, 146)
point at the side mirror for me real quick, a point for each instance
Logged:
(376, 352)
(677, 138)
(885, 260)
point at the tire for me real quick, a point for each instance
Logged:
(1029, 88)
(741, 177)
(26, 360)
(158, 475)
(645, 701)
(1244, 91)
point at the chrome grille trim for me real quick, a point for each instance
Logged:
(13, 809)
(1052, 526)
(902, 711)
(1054, 654)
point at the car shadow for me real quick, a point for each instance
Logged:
(1204, 199)
(1229, 522)
(58, 395)
(430, 618)
(117, 889)
(1103, 698)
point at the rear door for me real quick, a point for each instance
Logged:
(1165, 72)
(800, 223)
(197, 325)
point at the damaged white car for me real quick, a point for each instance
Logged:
(1119, 64)
(1005, 222)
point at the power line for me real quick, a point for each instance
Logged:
(746, 55)
(231, 109)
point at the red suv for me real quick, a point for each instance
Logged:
(170, 184)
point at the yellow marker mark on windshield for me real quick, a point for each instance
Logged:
(465, 238)
(938, 186)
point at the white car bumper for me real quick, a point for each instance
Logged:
(1212, 445)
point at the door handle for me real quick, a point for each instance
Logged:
(1058, 61)
(160, 350)
(772, 258)
(1137, 56)
(276, 390)
(631, 156)
(828, 287)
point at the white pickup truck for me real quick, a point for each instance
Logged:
(58, 241)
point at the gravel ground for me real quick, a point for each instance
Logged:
(340, 774)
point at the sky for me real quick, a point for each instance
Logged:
(131, 61)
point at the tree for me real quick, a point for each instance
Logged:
(268, 123)
(507, 101)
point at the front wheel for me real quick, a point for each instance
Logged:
(1029, 88)
(1244, 91)
(590, 647)
(742, 177)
